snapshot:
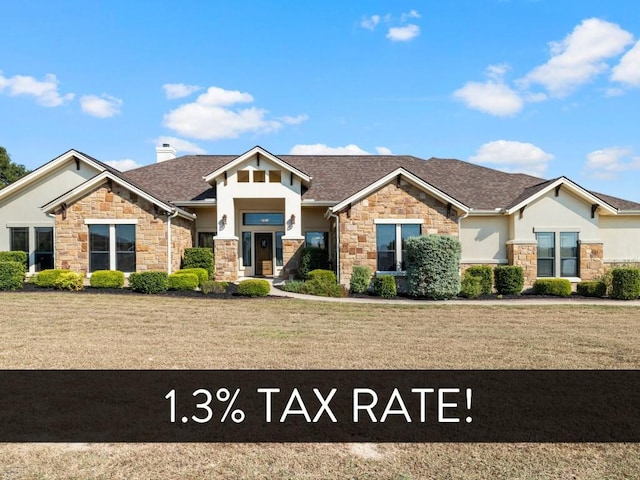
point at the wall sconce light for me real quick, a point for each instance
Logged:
(293, 219)
(224, 219)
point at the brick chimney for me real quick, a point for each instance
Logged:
(165, 152)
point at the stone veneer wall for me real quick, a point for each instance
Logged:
(225, 251)
(72, 235)
(524, 255)
(291, 256)
(181, 238)
(358, 230)
(591, 260)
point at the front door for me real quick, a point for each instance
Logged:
(264, 253)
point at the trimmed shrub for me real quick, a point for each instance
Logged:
(149, 282)
(485, 274)
(509, 279)
(201, 273)
(254, 287)
(592, 288)
(384, 286)
(294, 286)
(199, 257)
(68, 280)
(433, 266)
(625, 283)
(47, 278)
(312, 258)
(322, 288)
(183, 281)
(211, 286)
(322, 275)
(360, 279)
(558, 287)
(471, 286)
(11, 275)
(15, 256)
(107, 279)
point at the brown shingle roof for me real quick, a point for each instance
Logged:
(335, 178)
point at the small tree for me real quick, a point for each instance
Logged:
(9, 171)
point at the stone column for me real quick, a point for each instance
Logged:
(225, 252)
(291, 256)
(591, 260)
(524, 253)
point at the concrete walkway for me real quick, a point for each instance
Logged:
(533, 300)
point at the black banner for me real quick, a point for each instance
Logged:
(320, 406)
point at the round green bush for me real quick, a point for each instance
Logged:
(385, 286)
(558, 287)
(254, 287)
(321, 275)
(592, 288)
(11, 275)
(509, 279)
(202, 273)
(183, 281)
(149, 282)
(485, 274)
(107, 279)
(360, 279)
(471, 286)
(625, 283)
(68, 280)
(47, 278)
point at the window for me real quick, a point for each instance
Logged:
(44, 248)
(316, 239)
(279, 236)
(246, 249)
(205, 239)
(243, 176)
(263, 218)
(275, 176)
(19, 239)
(112, 247)
(551, 260)
(388, 237)
(259, 176)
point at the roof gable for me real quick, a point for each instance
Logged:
(257, 150)
(51, 166)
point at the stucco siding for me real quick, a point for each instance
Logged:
(484, 239)
(621, 238)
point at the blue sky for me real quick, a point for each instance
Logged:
(544, 87)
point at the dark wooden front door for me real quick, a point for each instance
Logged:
(264, 253)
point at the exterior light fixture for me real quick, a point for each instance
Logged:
(224, 219)
(293, 219)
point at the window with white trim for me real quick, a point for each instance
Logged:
(554, 262)
(389, 236)
(112, 247)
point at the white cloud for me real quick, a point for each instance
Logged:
(411, 14)
(180, 145)
(608, 163)
(579, 57)
(370, 22)
(44, 91)
(297, 120)
(383, 151)
(493, 96)
(403, 34)
(628, 70)
(123, 165)
(179, 90)
(322, 149)
(512, 156)
(102, 106)
(211, 116)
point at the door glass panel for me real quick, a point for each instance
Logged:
(44, 248)
(246, 249)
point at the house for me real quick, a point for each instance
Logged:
(257, 210)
